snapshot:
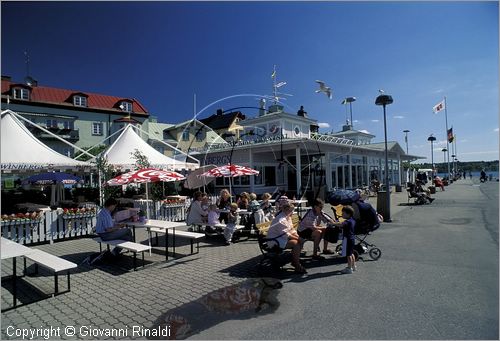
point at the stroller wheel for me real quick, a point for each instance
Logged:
(356, 255)
(375, 253)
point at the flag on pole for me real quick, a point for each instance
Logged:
(450, 135)
(438, 107)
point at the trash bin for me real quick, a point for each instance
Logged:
(382, 204)
(398, 188)
(432, 189)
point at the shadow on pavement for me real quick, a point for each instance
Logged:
(245, 300)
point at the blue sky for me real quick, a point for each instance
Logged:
(163, 52)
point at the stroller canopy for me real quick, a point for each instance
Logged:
(342, 197)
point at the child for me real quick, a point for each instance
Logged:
(213, 215)
(232, 218)
(348, 232)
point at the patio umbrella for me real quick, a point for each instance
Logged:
(52, 178)
(194, 180)
(145, 175)
(56, 180)
(230, 171)
(342, 197)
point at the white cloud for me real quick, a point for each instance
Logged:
(323, 125)
(355, 121)
(496, 129)
(375, 121)
(365, 131)
(438, 91)
(398, 116)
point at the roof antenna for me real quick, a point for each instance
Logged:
(30, 81)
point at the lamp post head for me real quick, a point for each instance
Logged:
(406, 131)
(431, 138)
(444, 150)
(383, 100)
(453, 155)
(350, 99)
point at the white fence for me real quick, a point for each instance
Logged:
(54, 226)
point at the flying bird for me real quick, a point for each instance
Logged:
(323, 88)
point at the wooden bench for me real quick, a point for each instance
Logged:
(53, 263)
(130, 246)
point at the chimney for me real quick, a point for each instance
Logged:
(219, 112)
(262, 107)
(346, 127)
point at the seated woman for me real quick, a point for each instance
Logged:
(286, 236)
(197, 215)
(310, 227)
(266, 206)
(243, 201)
(420, 188)
(257, 216)
(438, 182)
(223, 204)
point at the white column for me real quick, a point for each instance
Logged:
(298, 172)
(252, 178)
(400, 169)
(349, 172)
(328, 172)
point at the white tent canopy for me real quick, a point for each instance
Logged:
(120, 153)
(21, 150)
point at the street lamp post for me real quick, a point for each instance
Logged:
(406, 139)
(350, 100)
(431, 139)
(444, 150)
(385, 100)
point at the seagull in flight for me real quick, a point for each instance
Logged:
(323, 88)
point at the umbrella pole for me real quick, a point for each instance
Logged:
(147, 202)
(230, 192)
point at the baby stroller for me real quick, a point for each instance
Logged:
(366, 224)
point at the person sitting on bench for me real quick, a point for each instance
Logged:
(106, 227)
(310, 227)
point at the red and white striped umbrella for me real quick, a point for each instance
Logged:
(230, 171)
(145, 175)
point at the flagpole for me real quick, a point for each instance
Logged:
(447, 141)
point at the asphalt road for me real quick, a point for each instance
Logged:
(437, 279)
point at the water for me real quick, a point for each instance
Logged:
(476, 175)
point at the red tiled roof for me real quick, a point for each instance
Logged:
(43, 94)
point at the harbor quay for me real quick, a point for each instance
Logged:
(437, 278)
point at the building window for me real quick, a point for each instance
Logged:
(270, 175)
(126, 106)
(258, 178)
(97, 128)
(199, 136)
(20, 93)
(51, 123)
(69, 125)
(185, 135)
(80, 101)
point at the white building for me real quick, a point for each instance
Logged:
(291, 155)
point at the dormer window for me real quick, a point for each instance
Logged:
(80, 101)
(126, 106)
(21, 93)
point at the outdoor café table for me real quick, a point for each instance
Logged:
(160, 224)
(10, 249)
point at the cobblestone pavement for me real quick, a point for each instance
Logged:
(109, 297)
